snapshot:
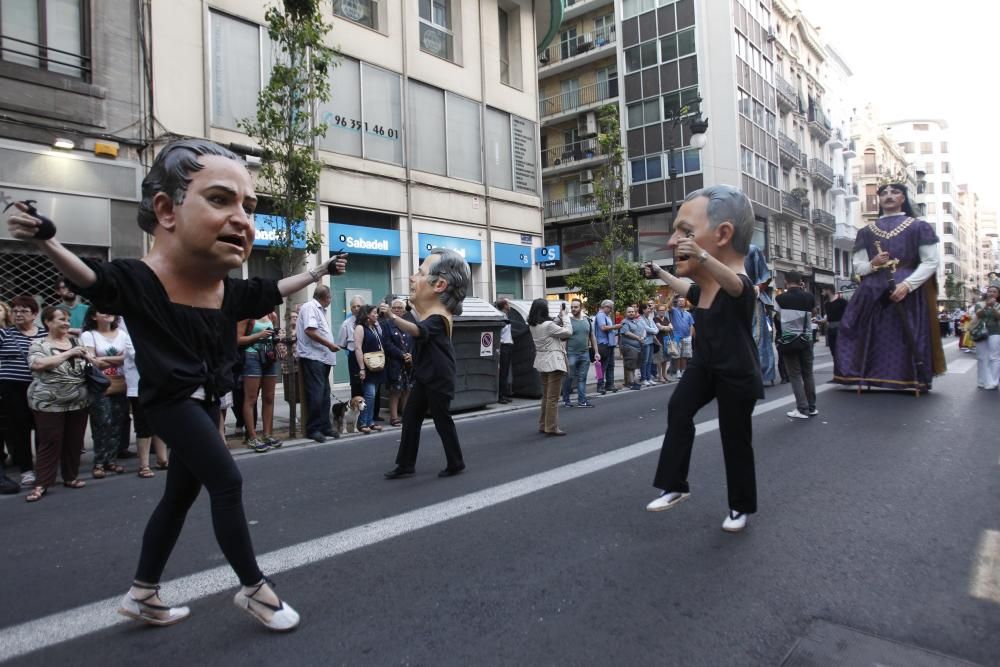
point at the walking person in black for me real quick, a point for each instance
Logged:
(835, 307)
(437, 290)
(795, 307)
(711, 237)
(182, 310)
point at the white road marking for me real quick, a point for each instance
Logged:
(961, 366)
(985, 583)
(31, 636)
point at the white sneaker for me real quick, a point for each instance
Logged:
(735, 522)
(666, 501)
(813, 412)
(795, 414)
(283, 619)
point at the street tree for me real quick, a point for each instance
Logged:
(609, 272)
(286, 131)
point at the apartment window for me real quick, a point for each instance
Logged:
(647, 169)
(427, 134)
(929, 168)
(929, 188)
(499, 161)
(944, 146)
(632, 7)
(921, 127)
(503, 20)
(604, 29)
(644, 113)
(362, 12)
(926, 147)
(641, 56)
(436, 35)
(946, 208)
(945, 167)
(674, 102)
(46, 34)
(236, 69)
(678, 45)
(869, 162)
(946, 188)
(908, 147)
(567, 43)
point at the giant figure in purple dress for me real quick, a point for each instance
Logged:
(889, 336)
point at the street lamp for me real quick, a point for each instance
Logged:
(698, 128)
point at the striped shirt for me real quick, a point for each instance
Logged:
(14, 354)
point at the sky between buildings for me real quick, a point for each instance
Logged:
(924, 59)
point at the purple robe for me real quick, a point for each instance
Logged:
(872, 348)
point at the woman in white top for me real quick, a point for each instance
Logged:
(144, 436)
(109, 416)
(550, 360)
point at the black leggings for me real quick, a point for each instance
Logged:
(198, 457)
(421, 401)
(697, 388)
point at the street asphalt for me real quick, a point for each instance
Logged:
(872, 515)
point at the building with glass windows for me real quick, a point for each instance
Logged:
(432, 133)
(75, 130)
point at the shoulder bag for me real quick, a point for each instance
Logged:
(375, 361)
(96, 382)
(792, 341)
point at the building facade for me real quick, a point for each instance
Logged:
(843, 195)
(432, 130)
(75, 128)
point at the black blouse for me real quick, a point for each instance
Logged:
(723, 341)
(434, 356)
(179, 348)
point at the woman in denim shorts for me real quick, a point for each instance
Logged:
(258, 340)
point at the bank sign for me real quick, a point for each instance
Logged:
(509, 254)
(470, 249)
(364, 240)
(266, 231)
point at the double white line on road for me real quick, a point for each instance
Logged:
(87, 619)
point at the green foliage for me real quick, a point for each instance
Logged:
(611, 226)
(594, 280)
(953, 290)
(284, 126)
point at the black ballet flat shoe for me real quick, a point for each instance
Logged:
(451, 472)
(399, 473)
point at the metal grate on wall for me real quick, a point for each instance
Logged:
(24, 270)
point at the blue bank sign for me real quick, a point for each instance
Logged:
(470, 249)
(549, 253)
(267, 227)
(364, 240)
(508, 254)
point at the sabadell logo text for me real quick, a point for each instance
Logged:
(363, 244)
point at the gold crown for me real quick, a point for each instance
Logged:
(889, 177)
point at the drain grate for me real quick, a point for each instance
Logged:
(826, 644)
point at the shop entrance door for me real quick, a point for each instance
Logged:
(509, 282)
(365, 274)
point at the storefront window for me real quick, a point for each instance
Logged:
(427, 132)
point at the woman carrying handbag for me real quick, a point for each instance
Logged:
(370, 353)
(109, 414)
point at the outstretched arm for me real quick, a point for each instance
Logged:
(679, 286)
(336, 265)
(406, 325)
(23, 227)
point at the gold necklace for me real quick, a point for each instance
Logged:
(900, 228)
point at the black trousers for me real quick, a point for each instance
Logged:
(506, 350)
(696, 389)
(420, 401)
(607, 366)
(198, 457)
(20, 422)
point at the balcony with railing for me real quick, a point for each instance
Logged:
(819, 124)
(575, 8)
(852, 193)
(41, 56)
(577, 50)
(788, 151)
(844, 232)
(824, 218)
(578, 99)
(792, 205)
(822, 173)
(850, 149)
(837, 138)
(839, 186)
(570, 207)
(788, 97)
(569, 157)
(871, 204)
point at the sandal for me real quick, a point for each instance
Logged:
(376, 427)
(75, 484)
(395, 422)
(98, 472)
(283, 618)
(115, 468)
(364, 429)
(36, 494)
(161, 465)
(145, 472)
(141, 610)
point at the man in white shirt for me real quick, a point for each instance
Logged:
(345, 339)
(317, 356)
(506, 350)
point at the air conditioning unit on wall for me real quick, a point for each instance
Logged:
(586, 188)
(587, 124)
(587, 176)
